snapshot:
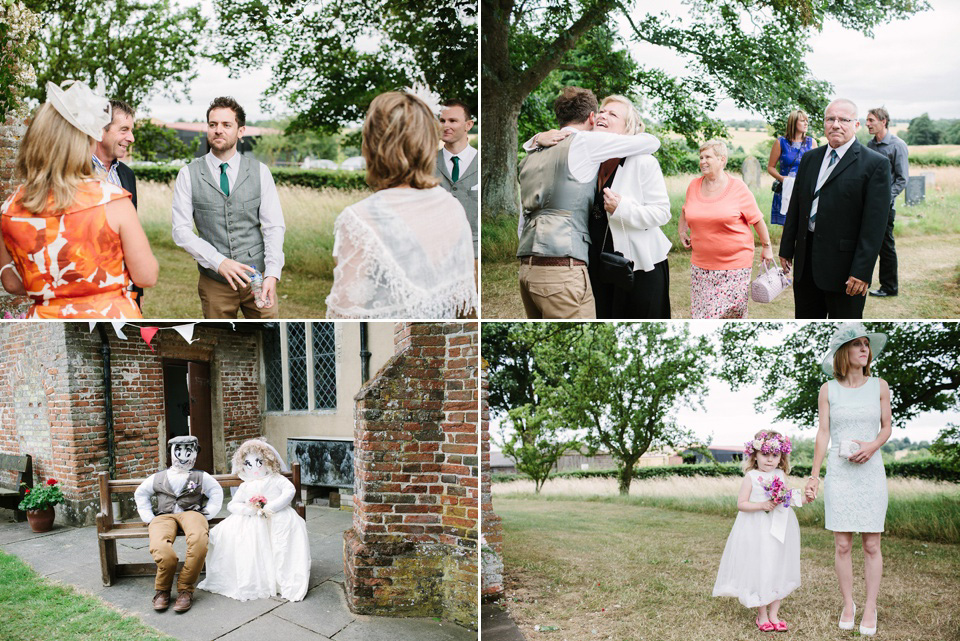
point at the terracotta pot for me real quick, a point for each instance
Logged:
(41, 520)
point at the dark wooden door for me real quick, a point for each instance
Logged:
(201, 422)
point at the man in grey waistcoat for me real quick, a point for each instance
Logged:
(232, 199)
(187, 498)
(884, 142)
(556, 191)
(457, 166)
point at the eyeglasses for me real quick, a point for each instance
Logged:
(842, 121)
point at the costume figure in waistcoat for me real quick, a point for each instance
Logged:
(232, 199)
(186, 499)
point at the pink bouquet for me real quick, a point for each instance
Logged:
(258, 501)
(778, 492)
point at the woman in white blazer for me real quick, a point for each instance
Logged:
(628, 210)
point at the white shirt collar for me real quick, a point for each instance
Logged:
(215, 162)
(467, 154)
(842, 149)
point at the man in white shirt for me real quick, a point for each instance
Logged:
(457, 166)
(187, 498)
(233, 201)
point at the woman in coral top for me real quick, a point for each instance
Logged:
(71, 241)
(715, 221)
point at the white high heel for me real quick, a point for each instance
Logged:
(848, 625)
(868, 632)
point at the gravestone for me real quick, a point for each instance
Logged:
(916, 190)
(752, 172)
(930, 179)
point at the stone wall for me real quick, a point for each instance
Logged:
(52, 401)
(412, 550)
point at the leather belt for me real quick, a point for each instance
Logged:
(551, 261)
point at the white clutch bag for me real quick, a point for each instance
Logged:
(849, 448)
(769, 284)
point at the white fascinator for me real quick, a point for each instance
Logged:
(81, 107)
(425, 94)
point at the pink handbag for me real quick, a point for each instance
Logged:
(769, 284)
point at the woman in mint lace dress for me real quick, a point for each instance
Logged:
(788, 149)
(855, 420)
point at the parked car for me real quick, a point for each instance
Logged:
(354, 162)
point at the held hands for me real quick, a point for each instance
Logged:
(810, 491)
(550, 138)
(856, 287)
(234, 273)
(611, 200)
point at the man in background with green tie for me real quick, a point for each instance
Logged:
(457, 166)
(233, 201)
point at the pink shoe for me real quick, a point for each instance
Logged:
(765, 627)
(781, 626)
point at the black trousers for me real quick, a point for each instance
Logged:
(888, 259)
(648, 298)
(812, 302)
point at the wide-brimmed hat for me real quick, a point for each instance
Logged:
(846, 333)
(81, 107)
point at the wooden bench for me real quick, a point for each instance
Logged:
(108, 531)
(10, 499)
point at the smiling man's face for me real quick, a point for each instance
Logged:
(117, 139)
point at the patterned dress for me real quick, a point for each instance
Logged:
(790, 155)
(70, 261)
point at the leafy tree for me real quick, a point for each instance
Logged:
(623, 385)
(947, 445)
(951, 136)
(921, 363)
(153, 143)
(18, 26)
(330, 60)
(733, 48)
(296, 147)
(137, 48)
(922, 131)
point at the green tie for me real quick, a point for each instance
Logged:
(456, 169)
(224, 185)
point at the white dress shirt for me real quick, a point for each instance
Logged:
(590, 148)
(271, 217)
(825, 170)
(466, 157)
(644, 206)
(177, 478)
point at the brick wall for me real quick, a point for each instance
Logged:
(491, 556)
(52, 401)
(412, 550)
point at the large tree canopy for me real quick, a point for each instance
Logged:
(329, 60)
(137, 48)
(732, 48)
(921, 363)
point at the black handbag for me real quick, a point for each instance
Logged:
(614, 268)
(776, 187)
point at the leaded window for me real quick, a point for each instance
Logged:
(300, 367)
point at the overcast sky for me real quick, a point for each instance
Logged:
(729, 417)
(910, 66)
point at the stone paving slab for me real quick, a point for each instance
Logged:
(324, 610)
(365, 628)
(272, 627)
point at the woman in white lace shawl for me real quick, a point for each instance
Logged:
(406, 251)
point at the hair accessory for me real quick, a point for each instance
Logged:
(846, 333)
(426, 95)
(81, 107)
(772, 444)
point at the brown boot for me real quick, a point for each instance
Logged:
(161, 600)
(184, 602)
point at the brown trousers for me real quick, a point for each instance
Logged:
(163, 532)
(219, 300)
(556, 292)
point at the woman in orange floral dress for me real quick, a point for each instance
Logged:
(71, 241)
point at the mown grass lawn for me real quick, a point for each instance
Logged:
(36, 609)
(614, 570)
(309, 215)
(928, 251)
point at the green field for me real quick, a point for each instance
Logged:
(643, 567)
(928, 236)
(308, 245)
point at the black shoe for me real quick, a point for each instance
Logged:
(882, 293)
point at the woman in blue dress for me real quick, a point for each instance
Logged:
(788, 150)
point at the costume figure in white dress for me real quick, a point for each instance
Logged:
(262, 548)
(761, 561)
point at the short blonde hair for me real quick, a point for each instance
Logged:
(716, 146)
(633, 124)
(54, 158)
(401, 137)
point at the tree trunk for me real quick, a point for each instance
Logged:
(500, 191)
(624, 477)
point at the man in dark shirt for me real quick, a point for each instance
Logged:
(884, 142)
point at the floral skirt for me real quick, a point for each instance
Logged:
(719, 293)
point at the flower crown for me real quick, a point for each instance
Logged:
(771, 444)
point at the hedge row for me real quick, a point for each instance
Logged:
(934, 160)
(928, 468)
(314, 178)
(689, 163)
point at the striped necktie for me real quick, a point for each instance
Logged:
(816, 195)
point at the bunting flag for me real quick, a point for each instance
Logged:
(186, 331)
(147, 334)
(118, 328)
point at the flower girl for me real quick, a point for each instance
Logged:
(261, 549)
(761, 561)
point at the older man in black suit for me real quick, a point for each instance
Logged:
(836, 220)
